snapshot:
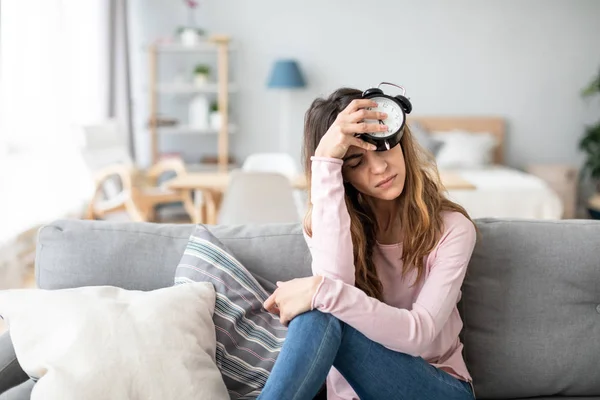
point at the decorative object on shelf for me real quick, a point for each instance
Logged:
(215, 116)
(198, 112)
(190, 35)
(285, 76)
(590, 144)
(201, 74)
(161, 121)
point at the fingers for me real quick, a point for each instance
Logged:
(363, 127)
(271, 305)
(362, 114)
(273, 309)
(362, 144)
(284, 319)
(358, 104)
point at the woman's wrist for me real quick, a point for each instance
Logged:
(321, 153)
(317, 280)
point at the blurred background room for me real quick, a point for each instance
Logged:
(192, 111)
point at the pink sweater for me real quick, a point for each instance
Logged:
(422, 320)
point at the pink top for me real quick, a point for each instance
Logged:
(422, 320)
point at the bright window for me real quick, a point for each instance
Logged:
(53, 79)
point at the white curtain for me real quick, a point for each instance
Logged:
(119, 105)
(53, 79)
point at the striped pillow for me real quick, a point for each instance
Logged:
(249, 338)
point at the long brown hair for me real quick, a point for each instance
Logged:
(421, 202)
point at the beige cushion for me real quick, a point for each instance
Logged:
(104, 342)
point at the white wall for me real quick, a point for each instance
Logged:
(523, 60)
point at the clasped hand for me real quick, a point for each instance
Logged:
(293, 298)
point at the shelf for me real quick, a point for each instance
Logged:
(213, 45)
(192, 88)
(190, 130)
(181, 48)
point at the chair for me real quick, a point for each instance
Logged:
(258, 198)
(114, 195)
(153, 193)
(281, 163)
(112, 169)
(120, 185)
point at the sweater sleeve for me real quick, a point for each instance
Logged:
(408, 331)
(331, 243)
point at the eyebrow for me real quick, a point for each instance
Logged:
(352, 156)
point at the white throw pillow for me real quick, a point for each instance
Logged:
(104, 342)
(463, 149)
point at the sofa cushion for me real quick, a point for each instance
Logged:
(104, 342)
(531, 309)
(249, 338)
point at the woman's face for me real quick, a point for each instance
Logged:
(379, 174)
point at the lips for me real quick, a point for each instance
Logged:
(383, 182)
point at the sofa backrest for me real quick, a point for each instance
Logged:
(530, 303)
(143, 256)
(531, 309)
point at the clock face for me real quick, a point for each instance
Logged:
(395, 115)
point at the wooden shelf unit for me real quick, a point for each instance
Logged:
(219, 44)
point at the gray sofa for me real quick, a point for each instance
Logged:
(530, 304)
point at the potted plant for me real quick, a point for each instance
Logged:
(190, 35)
(215, 115)
(590, 145)
(201, 73)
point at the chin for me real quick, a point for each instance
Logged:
(391, 193)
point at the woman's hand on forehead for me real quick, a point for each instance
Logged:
(341, 135)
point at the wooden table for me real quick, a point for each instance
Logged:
(208, 188)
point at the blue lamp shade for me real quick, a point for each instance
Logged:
(286, 74)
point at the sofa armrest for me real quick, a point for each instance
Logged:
(11, 373)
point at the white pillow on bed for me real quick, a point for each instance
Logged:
(464, 149)
(103, 342)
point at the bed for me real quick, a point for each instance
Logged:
(473, 148)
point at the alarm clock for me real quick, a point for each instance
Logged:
(396, 108)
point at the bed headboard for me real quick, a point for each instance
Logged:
(493, 125)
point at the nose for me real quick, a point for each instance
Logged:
(377, 163)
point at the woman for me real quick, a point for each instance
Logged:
(389, 253)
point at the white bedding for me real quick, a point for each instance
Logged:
(504, 192)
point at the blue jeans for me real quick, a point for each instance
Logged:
(316, 341)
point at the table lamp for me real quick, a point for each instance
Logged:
(285, 75)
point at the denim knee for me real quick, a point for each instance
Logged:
(316, 318)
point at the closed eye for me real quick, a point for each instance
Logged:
(356, 164)
(355, 158)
